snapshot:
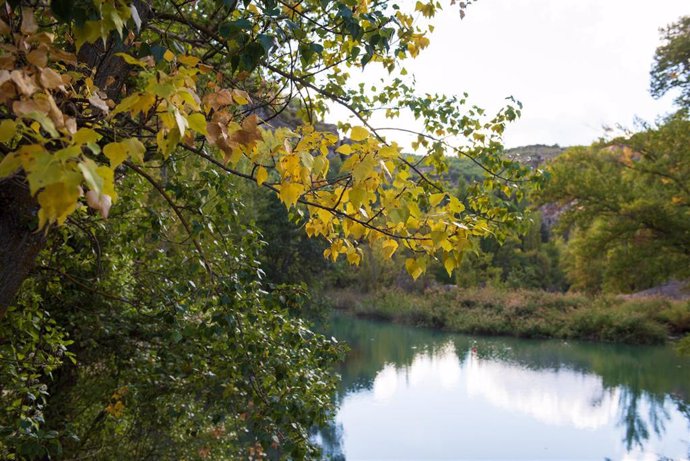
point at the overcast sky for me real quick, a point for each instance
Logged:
(576, 65)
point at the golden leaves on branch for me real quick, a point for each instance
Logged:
(373, 198)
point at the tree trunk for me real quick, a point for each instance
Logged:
(20, 242)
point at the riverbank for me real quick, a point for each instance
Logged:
(523, 313)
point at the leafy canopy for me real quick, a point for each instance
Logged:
(92, 90)
(627, 204)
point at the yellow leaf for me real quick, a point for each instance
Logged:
(135, 149)
(143, 103)
(108, 177)
(57, 201)
(240, 97)
(364, 168)
(139, 102)
(261, 175)
(435, 199)
(359, 133)
(168, 55)
(8, 129)
(356, 196)
(389, 152)
(189, 61)
(353, 257)
(181, 121)
(290, 193)
(131, 60)
(449, 264)
(40, 168)
(197, 122)
(85, 136)
(455, 205)
(233, 156)
(88, 33)
(345, 149)
(116, 153)
(414, 267)
(389, 247)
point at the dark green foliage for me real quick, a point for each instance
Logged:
(169, 364)
(626, 209)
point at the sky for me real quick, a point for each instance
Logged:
(576, 65)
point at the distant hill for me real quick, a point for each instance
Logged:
(535, 154)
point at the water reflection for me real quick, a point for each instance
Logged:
(410, 394)
(560, 397)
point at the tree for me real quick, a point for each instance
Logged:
(671, 67)
(627, 205)
(168, 366)
(139, 113)
(148, 83)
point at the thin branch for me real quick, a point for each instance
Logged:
(177, 211)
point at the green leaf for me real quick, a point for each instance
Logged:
(8, 129)
(88, 168)
(197, 122)
(9, 164)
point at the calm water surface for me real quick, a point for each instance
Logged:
(415, 394)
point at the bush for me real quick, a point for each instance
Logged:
(526, 313)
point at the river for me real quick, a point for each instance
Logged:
(413, 394)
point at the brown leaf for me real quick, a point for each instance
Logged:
(99, 103)
(249, 133)
(25, 83)
(38, 57)
(100, 202)
(5, 76)
(8, 92)
(50, 79)
(7, 62)
(148, 61)
(109, 81)
(71, 125)
(55, 113)
(25, 107)
(218, 99)
(60, 55)
(4, 28)
(29, 25)
(44, 38)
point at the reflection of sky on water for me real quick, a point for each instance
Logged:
(562, 398)
(441, 406)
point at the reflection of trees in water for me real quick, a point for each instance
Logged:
(640, 374)
(331, 438)
(631, 416)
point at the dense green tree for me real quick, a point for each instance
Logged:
(627, 207)
(169, 366)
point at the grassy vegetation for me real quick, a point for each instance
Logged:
(524, 313)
